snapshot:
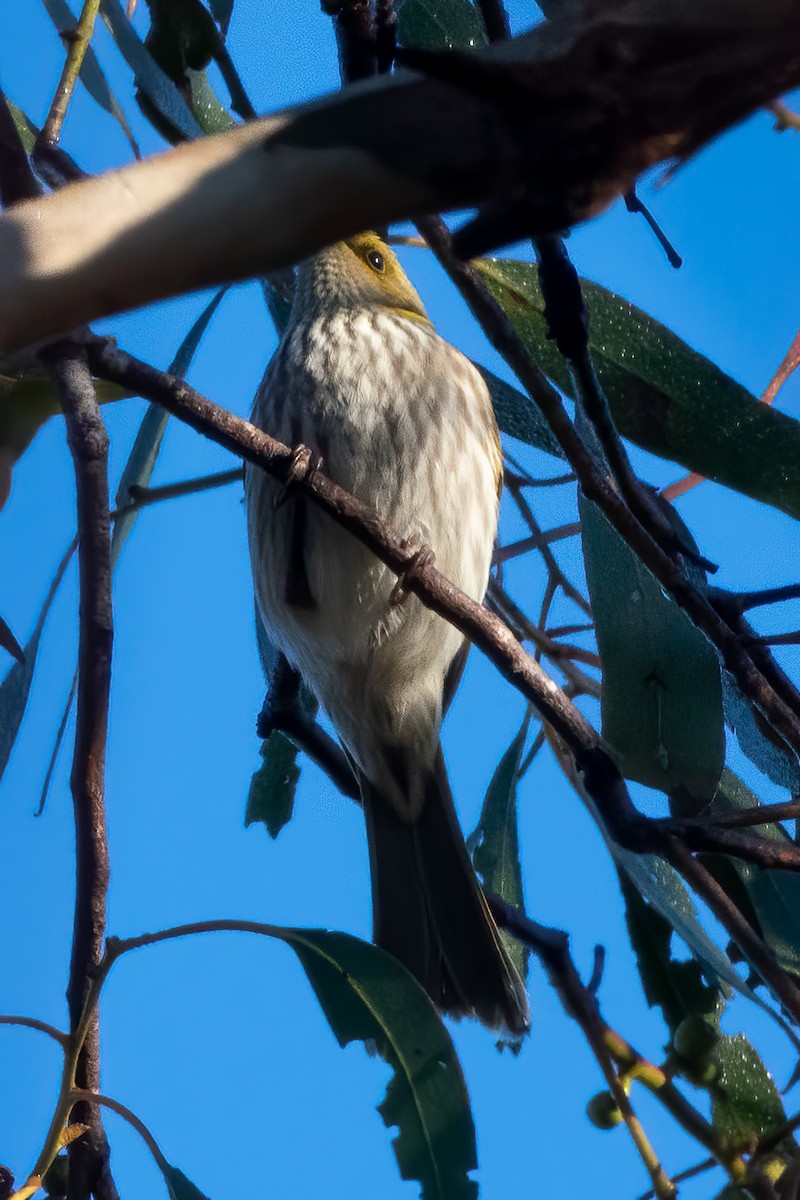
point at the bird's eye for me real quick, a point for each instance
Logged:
(376, 260)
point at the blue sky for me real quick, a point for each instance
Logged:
(218, 1043)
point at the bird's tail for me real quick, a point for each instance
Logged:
(430, 913)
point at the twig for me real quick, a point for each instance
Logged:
(78, 1095)
(557, 575)
(634, 204)
(355, 37)
(499, 601)
(535, 542)
(785, 118)
(700, 1168)
(743, 601)
(601, 777)
(596, 487)
(77, 44)
(141, 497)
(40, 1026)
(385, 34)
(552, 948)
(764, 814)
(495, 20)
(240, 101)
(88, 443)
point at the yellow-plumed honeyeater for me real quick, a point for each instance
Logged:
(404, 421)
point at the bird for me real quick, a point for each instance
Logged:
(403, 420)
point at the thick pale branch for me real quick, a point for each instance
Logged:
(546, 130)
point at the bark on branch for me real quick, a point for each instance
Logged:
(541, 131)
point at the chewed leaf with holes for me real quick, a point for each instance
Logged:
(368, 996)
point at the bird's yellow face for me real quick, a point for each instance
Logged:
(361, 272)
(382, 277)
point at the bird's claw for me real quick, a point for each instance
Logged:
(303, 465)
(421, 558)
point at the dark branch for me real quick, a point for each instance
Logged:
(89, 1170)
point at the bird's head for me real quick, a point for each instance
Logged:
(361, 272)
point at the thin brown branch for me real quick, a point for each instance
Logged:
(600, 776)
(764, 814)
(88, 443)
(40, 1026)
(499, 601)
(77, 41)
(785, 118)
(497, 327)
(355, 37)
(141, 497)
(700, 1168)
(535, 542)
(82, 1095)
(551, 946)
(554, 570)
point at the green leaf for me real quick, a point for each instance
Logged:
(518, 416)
(182, 36)
(273, 786)
(773, 894)
(661, 694)
(178, 1186)
(676, 987)
(24, 126)
(440, 25)
(155, 84)
(212, 116)
(138, 470)
(762, 744)
(15, 688)
(91, 74)
(663, 395)
(494, 843)
(745, 1104)
(369, 996)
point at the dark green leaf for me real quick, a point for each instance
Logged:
(9, 642)
(154, 83)
(773, 894)
(273, 786)
(745, 1104)
(182, 36)
(138, 470)
(367, 995)
(440, 25)
(494, 843)
(664, 396)
(661, 692)
(518, 416)
(676, 987)
(24, 126)
(277, 304)
(763, 745)
(15, 688)
(178, 1186)
(91, 75)
(212, 116)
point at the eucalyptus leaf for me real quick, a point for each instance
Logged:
(91, 73)
(15, 688)
(661, 695)
(367, 995)
(165, 98)
(178, 1186)
(762, 744)
(663, 395)
(745, 1104)
(138, 470)
(518, 416)
(675, 986)
(270, 800)
(24, 126)
(440, 25)
(774, 895)
(494, 843)
(223, 11)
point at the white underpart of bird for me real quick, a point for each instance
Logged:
(403, 421)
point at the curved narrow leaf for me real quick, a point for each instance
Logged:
(745, 1104)
(494, 843)
(518, 416)
(138, 470)
(9, 643)
(677, 987)
(24, 126)
(178, 1186)
(369, 996)
(440, 25)
(661, 695)
(15, 688)
(223, 11)
(763, 745)
(156, 85)
(773, 894)
(663, 395)
(91, 74)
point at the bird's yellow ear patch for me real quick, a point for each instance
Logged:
(392, 287)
